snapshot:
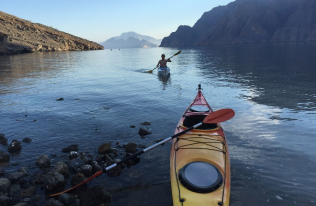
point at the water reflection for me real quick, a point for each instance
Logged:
(165, 80)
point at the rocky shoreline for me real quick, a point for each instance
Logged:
(26, 187)
(19, 36)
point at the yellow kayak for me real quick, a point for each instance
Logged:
(199, 160)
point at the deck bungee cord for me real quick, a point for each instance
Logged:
(208, 141)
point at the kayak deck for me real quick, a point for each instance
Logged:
(206, 144)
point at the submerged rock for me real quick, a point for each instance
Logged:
(27, 140)
(15, 146)
(43, 161)
(143, 132)
(4, 157)
(103, 148)
(130, 147)
(3, 139)
(145, 123)
(70, 148)
(29, 192)
(86, 170)
(4, 200)
(96, 195)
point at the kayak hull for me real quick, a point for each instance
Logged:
(208, 145)
(163, 71)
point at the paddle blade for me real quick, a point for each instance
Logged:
(177, 53)
(218, 116)
(150, 71)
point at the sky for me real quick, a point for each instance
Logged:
(99, 20)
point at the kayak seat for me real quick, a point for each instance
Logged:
(192, 120)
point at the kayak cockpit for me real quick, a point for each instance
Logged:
(192, 120)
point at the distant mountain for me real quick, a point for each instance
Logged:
(131, 40)
(21, 36)
(250, 21)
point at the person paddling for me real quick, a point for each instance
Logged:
(163, 61)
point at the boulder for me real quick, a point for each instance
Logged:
(4, 157)
(53, 202)
(62, 168)
(77, 179)
(27, 140)
(3, 139)
(43, 161)
(15, 146)
(54, 180)
(144, 131)
(130, 147)
(103, 148)
(70, 148)
(4, 185)
(86, 170)
(96, 195)
(29, 192)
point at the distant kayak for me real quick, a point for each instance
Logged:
(163, 71)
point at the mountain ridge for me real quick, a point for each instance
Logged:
(250, 21)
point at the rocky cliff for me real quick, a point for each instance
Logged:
(21, 36)
(250, 21)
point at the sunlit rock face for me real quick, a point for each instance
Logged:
(250, 21)
(22, 36)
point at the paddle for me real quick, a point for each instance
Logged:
(151, 71)
(214, 117)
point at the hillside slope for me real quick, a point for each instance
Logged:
(20, 36)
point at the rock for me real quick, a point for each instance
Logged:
(3, 140)
(4, 157)
(145, 123)
(4, 200)
(122, 166)
(70, 148)
(62, 168)
(21, 204)
(77, 179)
(96, 167)
(103, 148)
(60, 99)
(96, 195)
(66, 199)
(87, 159)
(132, 161)
(54, 180)
(15, 190)
(116, 171)
(144, 132)
(39, 179)
(27, 140)
(132, 126)
(73, 154)
(29, 192)
(86, 170)
(131, 147)
(4, 185)
(53, 202)
(114, 151)
(15, 146)
(16, 176)
(99, 158)
(43, 161)
(24, 170)
(1, 173)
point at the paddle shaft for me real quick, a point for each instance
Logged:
(150, 148)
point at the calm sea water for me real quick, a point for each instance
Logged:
(271, 139)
